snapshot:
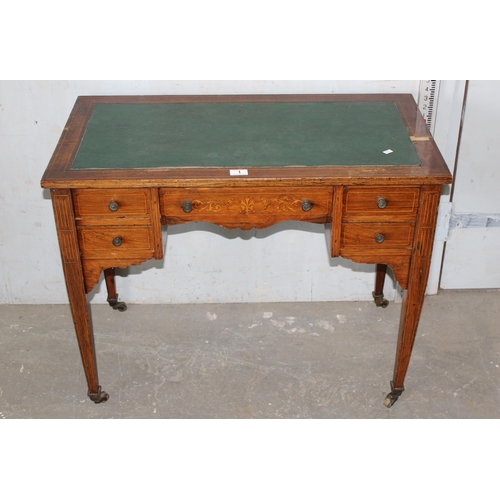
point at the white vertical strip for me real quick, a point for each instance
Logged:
(445, 127)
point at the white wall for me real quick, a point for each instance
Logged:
(209, 265)
(472, 250)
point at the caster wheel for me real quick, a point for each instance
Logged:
(98, 397)
(393, 396)
(379, 300)
(390, 399)
(117, 306)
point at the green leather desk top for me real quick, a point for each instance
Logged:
(162, 135)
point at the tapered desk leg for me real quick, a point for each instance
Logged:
(413, 297)
(378, 294)
(73, 274)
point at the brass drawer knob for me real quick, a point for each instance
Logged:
(381, 202)
(379, 238)
(187, 206)
(306, 205)
(117, 241)
(113, 206)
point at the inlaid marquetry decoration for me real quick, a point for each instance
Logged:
(248, 205)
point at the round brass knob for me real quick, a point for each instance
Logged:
(306, 205)
(187, 206)
(117, 241)
(379, 238)
(113, 206)
(381, 202)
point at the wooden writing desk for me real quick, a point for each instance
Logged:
(364, 165)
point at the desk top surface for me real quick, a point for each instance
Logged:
(157, 140)
(279, 134)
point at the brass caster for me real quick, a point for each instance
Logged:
(380, 301)
(99, 396)
(393, 396)
(118, 306)
(390, 399)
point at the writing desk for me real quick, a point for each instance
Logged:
(365, 166)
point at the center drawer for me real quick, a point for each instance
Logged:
(245, 207)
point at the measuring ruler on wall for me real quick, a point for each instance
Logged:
(427, 101)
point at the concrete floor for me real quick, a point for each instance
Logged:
(264, 361)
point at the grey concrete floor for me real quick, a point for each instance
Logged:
(254, 361)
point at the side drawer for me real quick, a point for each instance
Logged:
(111, 203)
(114, 242)
(383, 204)
(245, 207)
(377, 237)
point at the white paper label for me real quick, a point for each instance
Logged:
(388, 151)
(238, 172)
